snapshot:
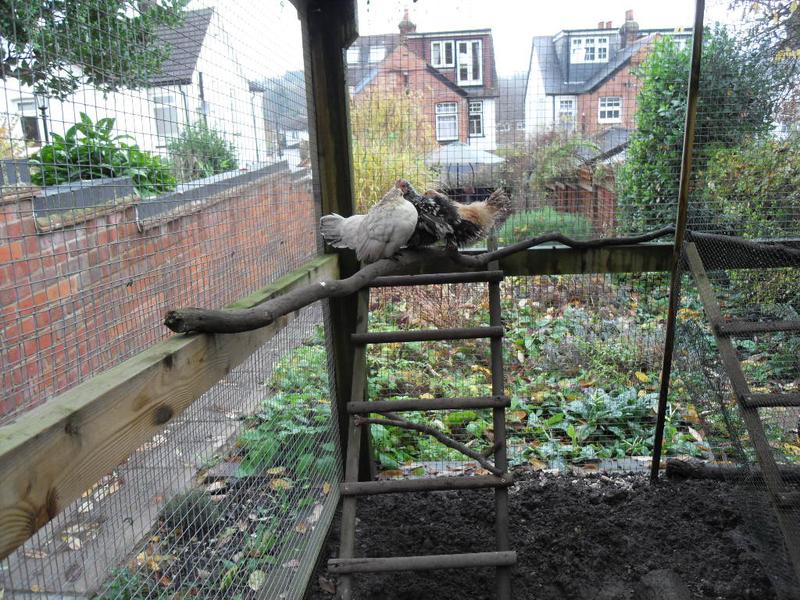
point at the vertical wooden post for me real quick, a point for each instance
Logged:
(329, 26)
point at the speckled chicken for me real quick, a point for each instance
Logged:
(441, 218)
(380, 233)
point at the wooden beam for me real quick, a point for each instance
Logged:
(52, 454)
(329, 26)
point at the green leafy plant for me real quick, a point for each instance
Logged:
(191, 514)
(544, 220)
(740, 90)
(91, 150)
(113, 43)
(200, 151)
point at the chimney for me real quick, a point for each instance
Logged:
(609, 25)
(600, 25)
(629, 32)
(406, 26)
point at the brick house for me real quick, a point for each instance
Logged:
(452, 71)
(581, 81)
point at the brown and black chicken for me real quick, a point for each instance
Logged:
(455, 223)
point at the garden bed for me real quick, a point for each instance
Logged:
(577, 538)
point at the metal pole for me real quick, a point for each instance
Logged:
(680, 229)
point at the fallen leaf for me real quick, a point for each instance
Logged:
(585, 383)
(216, 487)
(643, 377)
(276, 471)
(326, 488)
(291, 564)
(695, 434)
(426, 396)
(326, 585)
(389, 473)
(281, 484)
(256, 580)
(316, 513)
(302, 527)
(538, 465)
(691, 414)
(517, 415)
(165, 581)
(36, 588)
(34, 553)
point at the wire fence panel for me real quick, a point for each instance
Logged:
(154, 155)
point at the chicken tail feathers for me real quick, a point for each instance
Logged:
(501, 204)
(330, 226)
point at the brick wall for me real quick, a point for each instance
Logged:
(586, 196)
(78, 300)
(623, 84)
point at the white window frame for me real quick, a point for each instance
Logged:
(376, 54)
(609, 109)
(353, 55)
(565, 118)
(470, 78)
(476, 116)
(446, 113)
(165, 105)
(591, 49)
(441, 61)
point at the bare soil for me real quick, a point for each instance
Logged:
(577, 538)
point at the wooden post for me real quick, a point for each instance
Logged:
(329, 26)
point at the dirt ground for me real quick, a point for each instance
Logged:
(577, 538)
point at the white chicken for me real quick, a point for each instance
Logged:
(380, 233)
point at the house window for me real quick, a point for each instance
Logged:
(377, 53)
(353, 55)
(589, 50)
(476, 118)
(446, 121)
(29, 122)
(610, 109)
(566, 114)
(442, 54)
(165, 112)
(469, 62)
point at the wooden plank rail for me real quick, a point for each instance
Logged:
(51, 455)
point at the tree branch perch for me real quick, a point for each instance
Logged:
(395, 420)
(201, 320)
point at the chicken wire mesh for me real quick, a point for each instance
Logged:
(155, 155)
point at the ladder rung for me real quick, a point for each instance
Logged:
(769, 400)
(382, 406)
(436, 278)
(393, 486)
(426, 335)
(422, 563)
(744, 328)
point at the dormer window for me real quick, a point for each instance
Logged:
(442, 55)
(589, 50)
(470, 62)
(377, 53)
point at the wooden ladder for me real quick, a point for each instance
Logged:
(785, 501)
(502, 558)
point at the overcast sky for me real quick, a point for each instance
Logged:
(267, 32)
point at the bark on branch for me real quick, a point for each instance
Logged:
(394, 420)
(201, 320)
(697, 469)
